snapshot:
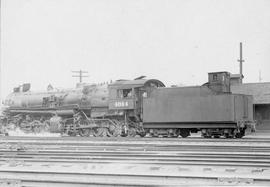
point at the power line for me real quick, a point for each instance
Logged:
(80, 74)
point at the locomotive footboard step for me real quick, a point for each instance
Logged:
(132, 108)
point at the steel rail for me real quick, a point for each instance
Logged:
(137, 144)
(148, 139)
(140, 156)
(157, 161)
(129, 148)
(130, 175)
(132, 153)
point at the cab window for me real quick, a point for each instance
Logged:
(125, 93)
(215, 77)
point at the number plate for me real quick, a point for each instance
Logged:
(121, 104)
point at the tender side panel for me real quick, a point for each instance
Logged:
(168, 107)
(243, 107)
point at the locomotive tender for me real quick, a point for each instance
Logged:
(133, 107)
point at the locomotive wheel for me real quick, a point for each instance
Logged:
(96, 134)
(36, 125)
(142, 134)
(184, 133)
(154, 135)
(37, 129)
(46, 126)
(84, 132)
(25, 127)
(70, 133)
(102, 132)
(27, 130)
(132, 132)
(228, 135)
(117, 131)
(172, 135)
(240, 134)
(12, 126)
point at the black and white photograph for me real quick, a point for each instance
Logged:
(145, 93)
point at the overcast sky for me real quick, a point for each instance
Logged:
(175, 41)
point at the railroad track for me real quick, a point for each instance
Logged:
(187, 159)
(128, 175)
(136, 141)
(122, 162)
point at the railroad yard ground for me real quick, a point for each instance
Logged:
(50, 160)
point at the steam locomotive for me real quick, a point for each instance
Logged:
(133, 107)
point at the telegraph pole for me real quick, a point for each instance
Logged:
(241, 63)
(80, 74)
(0, 53)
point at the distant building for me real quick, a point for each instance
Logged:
(261, 96)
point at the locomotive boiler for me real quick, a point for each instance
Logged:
(133, 107)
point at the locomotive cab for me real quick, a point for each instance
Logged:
(126, 96)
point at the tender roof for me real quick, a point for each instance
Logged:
(260, 91)
(218, 72)
(236, 75)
